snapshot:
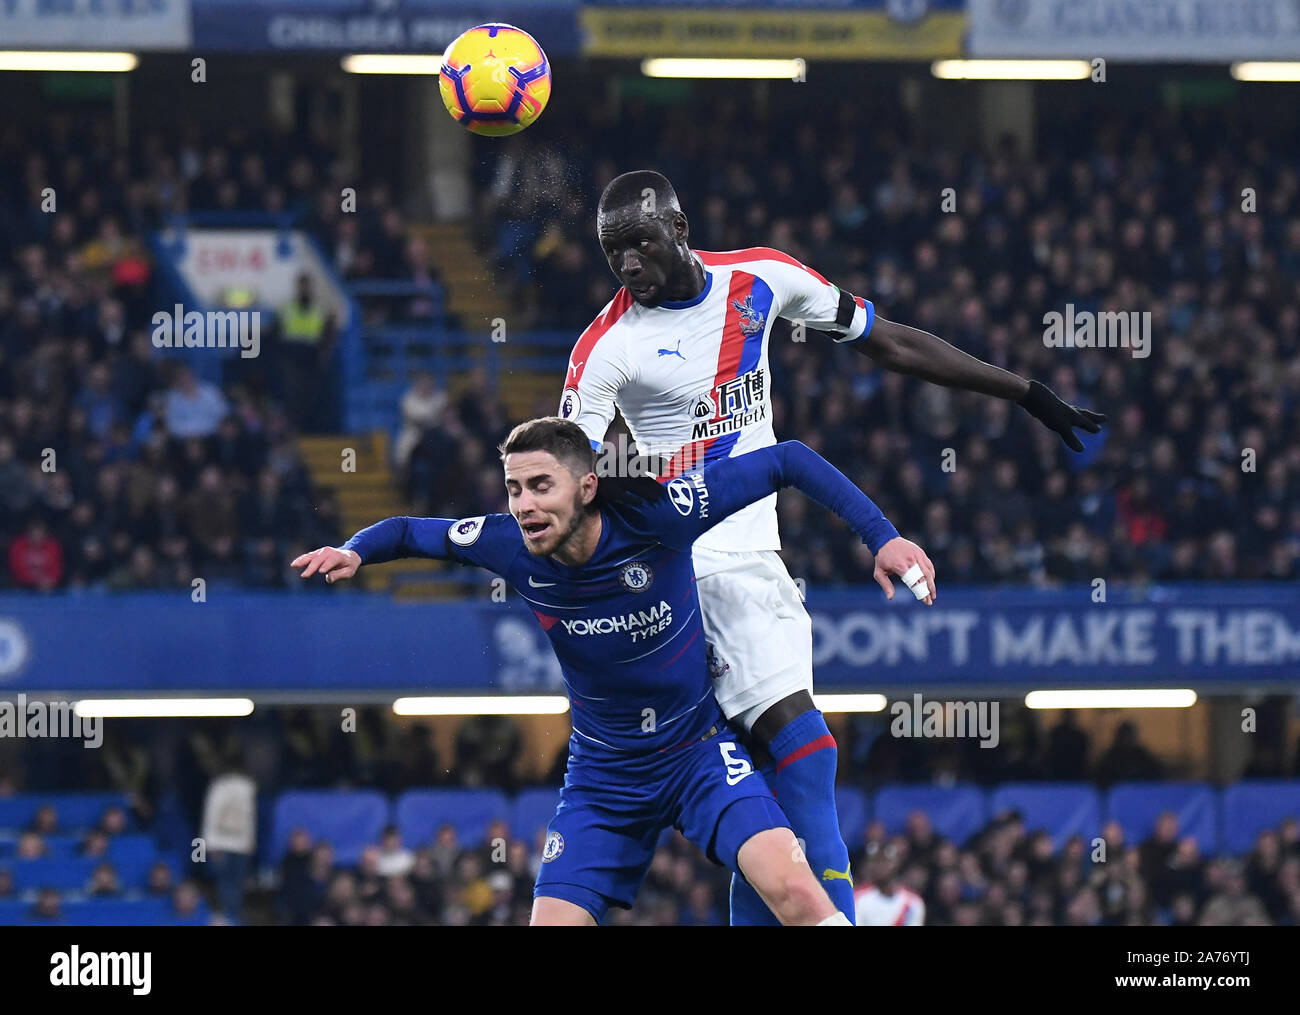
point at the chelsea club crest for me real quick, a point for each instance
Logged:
(636, 577)
(553, 848)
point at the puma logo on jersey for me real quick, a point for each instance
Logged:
(674, 352)
(573, 367)
(831, 875)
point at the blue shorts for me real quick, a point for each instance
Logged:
(603, 837)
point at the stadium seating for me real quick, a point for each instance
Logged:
(1138, 805)
(1060, 809)
(76, 811)
(532, 812)
(853, 808)
(351, 820)
(956, 812)
(1227, 820)
(117, 912)
(119, 846)
(1252, 806)
(64, 874)
(105, 913)
(419, 813)
(12, 911)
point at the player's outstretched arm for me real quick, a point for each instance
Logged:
(391, 539)
(906, 350)
(703, 499)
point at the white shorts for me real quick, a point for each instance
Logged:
(759, 634)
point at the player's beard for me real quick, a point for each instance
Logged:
(575, 520)
(575, 523)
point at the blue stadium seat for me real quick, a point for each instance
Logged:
(64, 874)
(118, 913)
(105, 913)
(62, 845)
(1137, 806)
(123, 847)
(532, 812)
(956, 812)
(132, 856)
(1252, 806)
(1061, 809)
(420, 812)
(199, 918)
(69, 846)
(852, 806)
(77, 811)
(348, 820)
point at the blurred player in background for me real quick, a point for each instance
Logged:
(883, 901)
(682, 351)
(610, 580)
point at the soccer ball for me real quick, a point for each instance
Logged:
(495, 80)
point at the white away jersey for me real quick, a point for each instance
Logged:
(902, 909)
(691, 378)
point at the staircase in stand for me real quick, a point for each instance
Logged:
(367, 496)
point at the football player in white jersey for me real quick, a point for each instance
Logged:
(682, 351)
(883, 901)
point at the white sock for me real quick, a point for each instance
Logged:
(838, 920)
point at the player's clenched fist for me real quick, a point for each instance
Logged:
(907, 560)
(334, 564)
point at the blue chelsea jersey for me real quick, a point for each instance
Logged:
(625, 625)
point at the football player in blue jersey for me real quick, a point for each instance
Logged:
(606, 567)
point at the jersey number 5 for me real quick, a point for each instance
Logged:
(737, 768)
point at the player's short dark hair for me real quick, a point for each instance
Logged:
(629, 189)
(560, 437)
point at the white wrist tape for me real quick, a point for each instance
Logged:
(914, 579)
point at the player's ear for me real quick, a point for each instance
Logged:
(681, 227)
(588, 484)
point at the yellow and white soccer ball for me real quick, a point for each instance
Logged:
(495, 80)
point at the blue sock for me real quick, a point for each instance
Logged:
(802, 777)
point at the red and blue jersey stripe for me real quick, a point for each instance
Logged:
(738, 354)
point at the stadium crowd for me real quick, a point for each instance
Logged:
(1197, 473)
(119, 467)
(1006, 873)
(1195, 476)
(45, 839)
